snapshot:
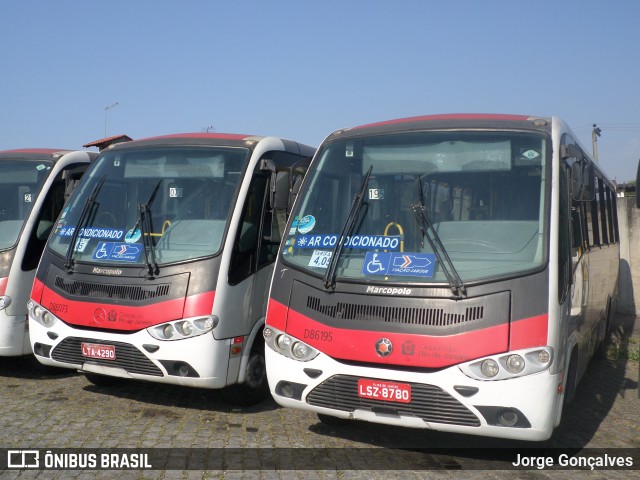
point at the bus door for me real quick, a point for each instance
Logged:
(34, 237)
(264, 214)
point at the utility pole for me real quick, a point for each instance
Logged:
(106, 109)
(595, 133)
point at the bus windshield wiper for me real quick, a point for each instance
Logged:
(330, 276)
(144, 221)
(428, 231)
(85, 215)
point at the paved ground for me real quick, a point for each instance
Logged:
(53, 412)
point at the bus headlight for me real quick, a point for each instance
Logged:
(287, 345)
(5, 301)
(489, 368)
(41, 315)
(184, 328)
(515, 363)
(510, 365)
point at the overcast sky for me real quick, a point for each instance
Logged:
(301, 69)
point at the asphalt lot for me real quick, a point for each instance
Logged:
(195, 434)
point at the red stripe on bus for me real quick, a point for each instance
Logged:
(36, 290)
(121, 317)
(408, 350)
(529, 332)
(3, 285)
(200, 304)
(277, 314)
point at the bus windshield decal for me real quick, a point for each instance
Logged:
(119, 252)
(355, 241)
(92, 232)
(395, 263)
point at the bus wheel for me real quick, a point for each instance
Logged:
(255, 387)
(331, 420)
(103, 380)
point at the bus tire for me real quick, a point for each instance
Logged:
(103, 380)
(255, 387)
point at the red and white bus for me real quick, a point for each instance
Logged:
(159, 267)
(34, 185)
(449, 272)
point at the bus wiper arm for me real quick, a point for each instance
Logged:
(82, 220)
(144, 221)
(426, 226)
(330, 276)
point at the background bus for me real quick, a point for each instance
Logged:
(160, 268)
(451, 272)
(34, 185)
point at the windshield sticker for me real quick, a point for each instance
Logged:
(91, 232)
(395, 263)
(320, 258)
(306, 224)
(81, 245)
(133, 236)
(41, 167)
(376, 194)
(357, 241)
(28, 198)
(118, 252)
(175, 192)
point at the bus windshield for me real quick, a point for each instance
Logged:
(167, 204)
(473, 198)
(20, 182)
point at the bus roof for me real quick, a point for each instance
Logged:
(32, 154)
(453, 120)
(211, 139)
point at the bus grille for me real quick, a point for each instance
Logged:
(428, 402)
(435, 317)
(128, 357)
(111, 291)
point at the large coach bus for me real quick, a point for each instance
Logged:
(449, 272)
(159, 268)
(34, 185)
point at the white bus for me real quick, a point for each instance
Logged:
(160, 266)
(34, 185)
(449, 272)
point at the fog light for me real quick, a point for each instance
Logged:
(183, 370)
(515, 363)
(489, 368)
(508, 418)
(287, 390)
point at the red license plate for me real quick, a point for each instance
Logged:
(95, 350)
(387, 391)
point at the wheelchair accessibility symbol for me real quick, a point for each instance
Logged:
(396, 263)
(374, 265)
